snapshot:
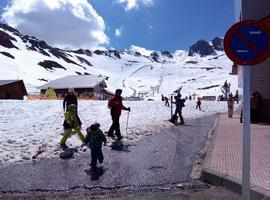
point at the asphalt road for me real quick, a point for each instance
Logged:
(164, 158)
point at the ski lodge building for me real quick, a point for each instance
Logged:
(12, 89)
(85, 86)
(260, 73)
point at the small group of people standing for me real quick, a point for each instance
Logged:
(94, 137)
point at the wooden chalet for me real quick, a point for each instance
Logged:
(85, 86)
(12, 89)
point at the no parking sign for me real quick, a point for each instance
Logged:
(247, 42)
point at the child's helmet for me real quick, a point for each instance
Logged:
(93, 127)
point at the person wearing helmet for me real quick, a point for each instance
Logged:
(116, 106)
(69, 99)
(71, 123)
(94, 139)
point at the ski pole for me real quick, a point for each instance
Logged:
(56, 118)
(127, 122)
(82, 118)
(171, 106)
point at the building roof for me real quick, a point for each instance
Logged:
(74, 81)
(5, 82)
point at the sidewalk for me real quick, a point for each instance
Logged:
(223, 164)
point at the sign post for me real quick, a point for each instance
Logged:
(246, 136)
(247, 43)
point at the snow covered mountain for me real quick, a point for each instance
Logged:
(201, 70)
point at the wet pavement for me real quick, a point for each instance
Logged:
(164, 158)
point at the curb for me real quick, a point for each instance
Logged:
(218, 179)
(215, 178)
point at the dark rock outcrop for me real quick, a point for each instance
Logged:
(51, 65)
(155, 56)
(202, 48)
(136, 53)
(6, 40)
(61, 54)
(10, 29)
(7, 54)
(84, 61)
(115, 53)
(167, 54)
(218, 44)
(81, 51)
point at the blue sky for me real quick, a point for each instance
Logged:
(152, 24)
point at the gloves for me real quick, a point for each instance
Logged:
(128, 109)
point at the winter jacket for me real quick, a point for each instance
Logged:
(95, 139)
(116, 106)
(179, 103)
(230, 102)
(71, 116)
(69, 99)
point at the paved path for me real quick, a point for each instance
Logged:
(225, 156)
(164, 158)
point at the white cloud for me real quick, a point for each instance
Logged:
(141, 50)
(62, 23)
(118, 32)
(134, 4)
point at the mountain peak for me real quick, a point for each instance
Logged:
(204, 48)
(217, 43)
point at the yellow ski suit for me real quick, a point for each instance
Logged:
(72, 121)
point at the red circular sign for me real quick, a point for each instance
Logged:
(247, 43)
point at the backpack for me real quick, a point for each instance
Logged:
(182, 102)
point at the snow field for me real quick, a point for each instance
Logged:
(27, 125)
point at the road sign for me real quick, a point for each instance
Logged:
(247, 42)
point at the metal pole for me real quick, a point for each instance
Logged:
(56, 118)
(127, 122)
(171, 106)
(246, 135)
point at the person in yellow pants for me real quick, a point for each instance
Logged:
(71, 123)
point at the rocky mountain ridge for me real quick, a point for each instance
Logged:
(36, 62)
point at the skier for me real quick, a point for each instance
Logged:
(179, 103)
(69, 99)
(198, 103)
(71, 123)
(94, 139)
(166, 101)
(230, 103)
(162, 97)
(116, 106)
